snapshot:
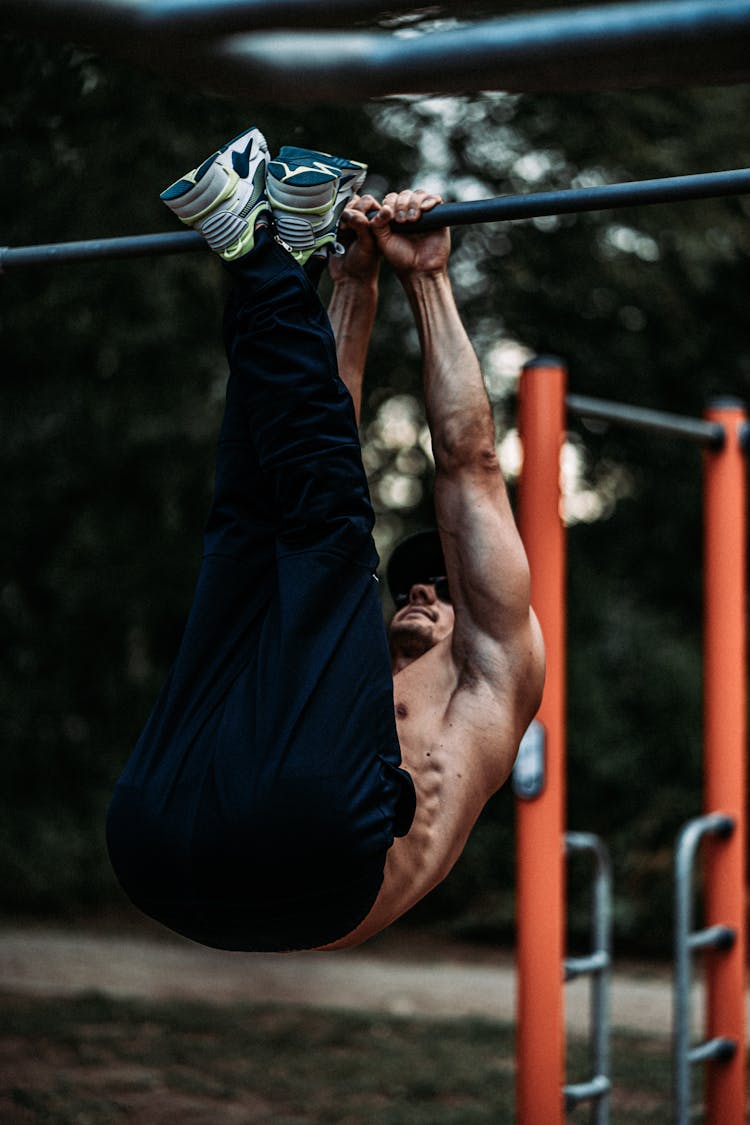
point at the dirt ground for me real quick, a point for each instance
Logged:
(403, 973)
(155, 1030)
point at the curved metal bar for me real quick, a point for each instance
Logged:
(596, 1088)
(598, 965)
(505, 208)
(688, 842)
(605, 47)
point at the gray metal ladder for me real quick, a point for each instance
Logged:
(597, 965)
(688, 941)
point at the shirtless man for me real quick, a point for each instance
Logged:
(279, 796)
(467, 673)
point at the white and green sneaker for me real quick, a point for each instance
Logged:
(308, 191)
(224, 197)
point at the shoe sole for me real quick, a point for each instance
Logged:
(196, 194)
(220, 199)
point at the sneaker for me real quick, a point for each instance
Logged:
(308, 191)
(226, 195)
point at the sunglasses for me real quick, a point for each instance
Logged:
(441, 590)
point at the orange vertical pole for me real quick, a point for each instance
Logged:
(540, 1036)
(725, 747)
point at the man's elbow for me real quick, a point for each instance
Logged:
(464, 452)
(464, 437)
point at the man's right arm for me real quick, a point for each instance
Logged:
(496, 638)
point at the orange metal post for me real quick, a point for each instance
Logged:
(540, 1041)
(725, 747)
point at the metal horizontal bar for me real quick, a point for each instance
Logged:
(502, 209)
(637, 193)
(603, 47)
(177, 19)
(586, 1091)
(192, 18)
(98, 249)
(584, 966)
(640, 418)
(713, 1050)
(622, 46)
(713, 937)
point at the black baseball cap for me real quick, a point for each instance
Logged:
(414, 559)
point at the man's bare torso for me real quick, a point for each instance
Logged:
(456, 746)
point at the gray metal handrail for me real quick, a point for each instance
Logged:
(597, 965)
(687, 942)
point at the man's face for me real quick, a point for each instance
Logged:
(424, 619)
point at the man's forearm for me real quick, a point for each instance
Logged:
(458, 410)
(351, 312)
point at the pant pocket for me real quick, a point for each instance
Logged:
(401, 796)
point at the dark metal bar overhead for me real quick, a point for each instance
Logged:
(177, 20)
(605, 47)
(674, 189)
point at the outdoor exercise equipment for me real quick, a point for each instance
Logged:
(280, 51)
(670, 189)
(724, 436)
(265, 50)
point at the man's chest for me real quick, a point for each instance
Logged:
(420, 719)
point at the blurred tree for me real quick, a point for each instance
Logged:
(113, 386)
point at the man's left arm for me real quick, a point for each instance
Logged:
(354, 299)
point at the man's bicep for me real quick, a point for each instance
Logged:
(487, 567)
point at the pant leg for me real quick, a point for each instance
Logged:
(301, 415)
(265, 792)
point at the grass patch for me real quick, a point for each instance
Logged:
(96, 1061)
